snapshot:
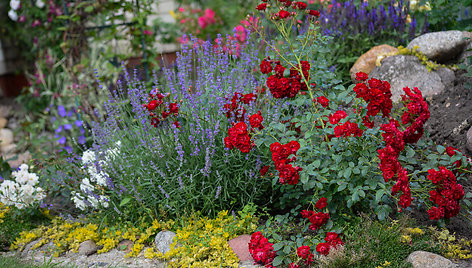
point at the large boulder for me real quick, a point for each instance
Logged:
(440, 46)
(423, 259)
(407, 71)
(367, 62)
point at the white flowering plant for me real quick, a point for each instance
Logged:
(92, 189)
(23, 190)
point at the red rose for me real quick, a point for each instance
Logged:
(173, 108)
(256, 120)
(261, 6)
(323, 101)
(301, 5)
(264, 170)
(284, 14)
(321, 204)
(303, 252)
(177, 124)
(152, 105)
(361, 76)
(436, 213)
(323, 248)
(315, 13)
(265, 67)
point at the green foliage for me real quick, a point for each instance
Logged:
(370, 243)
(15, 221)
(445, 14)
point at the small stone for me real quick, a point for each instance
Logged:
(423, 259)
(8, 149)
(163, 241)
(248, 264)
(367, 62)
(3, 122)
(17, 160)
(240, 246)
(87, 248)
(469, 139)
(125, 245)
(6, 137)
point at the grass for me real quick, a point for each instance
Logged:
(370, 243)
(16, 262)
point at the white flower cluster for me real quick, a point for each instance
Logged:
(97, 182)
(22, 192)
(16, 4)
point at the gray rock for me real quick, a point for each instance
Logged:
(469, 139)
(248, 264)
(6, 136)
(87, 248)
(163, 240)
(440, 46)
(27, 250)
(407, 71)
(423, 259)
(447, 76)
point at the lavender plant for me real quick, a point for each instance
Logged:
(180, 165)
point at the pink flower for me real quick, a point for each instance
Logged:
(202, 22)
(147, 32)
(35, 23)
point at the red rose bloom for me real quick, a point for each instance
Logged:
(266, 67)
(436, 213)
(323, 248)
(315, 13)
(173, 108)
(284, 14)
(264, 170)
(361, 76)
(323, 101)
(301, 5)
(321, 204)
(261, 6)
(303, 252)
(256, 120)
(152, 105)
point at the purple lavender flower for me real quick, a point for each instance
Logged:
(61, 111)
(67, 127)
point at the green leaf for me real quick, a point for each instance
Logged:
(316, 163)
(287, 249)
(342, 186)
(278, 246)
(125, 201)
(347, 173)
(440, 149)
(277, 237)
(277, 261)
(88, 9)
(379, 195)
